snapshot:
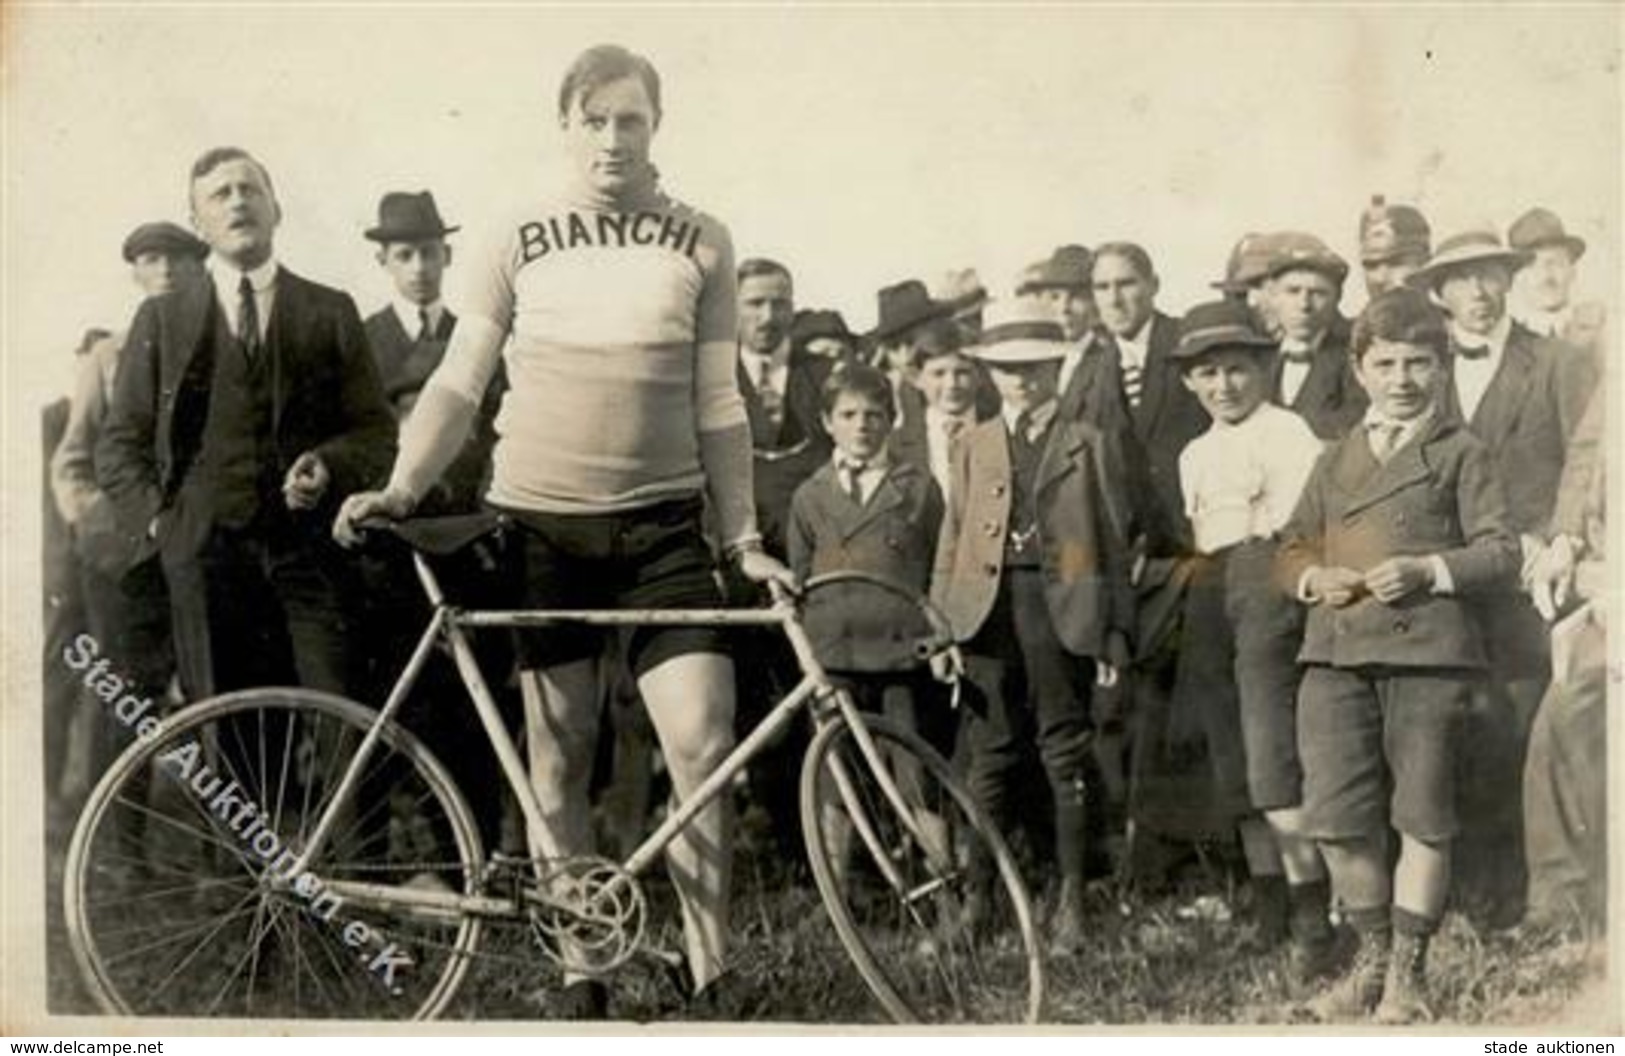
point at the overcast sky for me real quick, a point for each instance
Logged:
(859, 145)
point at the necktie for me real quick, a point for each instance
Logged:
(1133, 383)
(952, 427)
(248, 319)
(425, 331)
(852, 472)
(1385, 439)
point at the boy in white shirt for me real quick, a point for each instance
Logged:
(1241, 480)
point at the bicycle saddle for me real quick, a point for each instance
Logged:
(439, 536)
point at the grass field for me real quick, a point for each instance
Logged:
(1152, 962)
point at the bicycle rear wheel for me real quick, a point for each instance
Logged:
(177, 890)
(933, 944)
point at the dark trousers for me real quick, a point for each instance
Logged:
(65, 619)
(1031, 699)
(1565, 789)
(1490, 873)
(129, 618)
(262, 608)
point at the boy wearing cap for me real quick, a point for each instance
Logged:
(1032, 572)
(1395, 241)
(1303, 283)
(1400, 526)
(1237, 665)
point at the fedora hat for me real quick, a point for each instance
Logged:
(1391, 231)
(161, 236)
(961, 290)
(406, 217)
(1218, 324)
(1463, 250)
(902, 307)
(1295, 250)
(1542, 227)
(1067, 268)
(1016, 331)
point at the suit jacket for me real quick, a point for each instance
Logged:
(1331, 399)
(1078, 495)
(1582, 493)
(1169, 417)
(1439, 494)
(1525, 418)
(894, 535)
(787, 455)
(1094, 394)
(325, 398)
(404, 364)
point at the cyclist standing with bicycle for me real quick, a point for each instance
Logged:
(623, 419)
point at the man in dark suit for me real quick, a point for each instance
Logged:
(1313, 377)
(1522, 396)
(245, 408)
(782, 389)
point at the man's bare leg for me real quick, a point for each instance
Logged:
(691, 703)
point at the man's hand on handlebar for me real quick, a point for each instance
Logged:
(366, 506)
(758, 566)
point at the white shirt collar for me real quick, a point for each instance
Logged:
(1310, 346)
(880, 463)
(1136, 346)
(227, 277)
(778, 359)
(407, 312)
(1496, 339)
(936, 419)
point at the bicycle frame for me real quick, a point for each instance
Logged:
(451, 624)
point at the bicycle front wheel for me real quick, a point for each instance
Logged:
(177, 887)
(920, 886)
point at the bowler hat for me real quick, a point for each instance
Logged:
(1542, 227)
(1463, 250)
(1391, 231)
(1249, 262)
(1218, 324)
(1067, 268)
(406, 217)
(815, 323)
(903, 306)
(163, 237)
(1295, 250)
(1016, 331)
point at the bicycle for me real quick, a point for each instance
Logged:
(185, 903)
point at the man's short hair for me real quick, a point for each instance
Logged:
(215, 157)
(1400, 315)
(598, 66)
(757, 267)
(1135, 254)
(859, 379)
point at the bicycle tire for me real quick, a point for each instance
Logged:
(920, 958)
(149, 839)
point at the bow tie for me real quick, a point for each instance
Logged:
(1296, 355)
(1473, 351)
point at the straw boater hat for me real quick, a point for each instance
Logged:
(1016, 331)
(1542, 227)
(961, 290)
(1464, 250)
